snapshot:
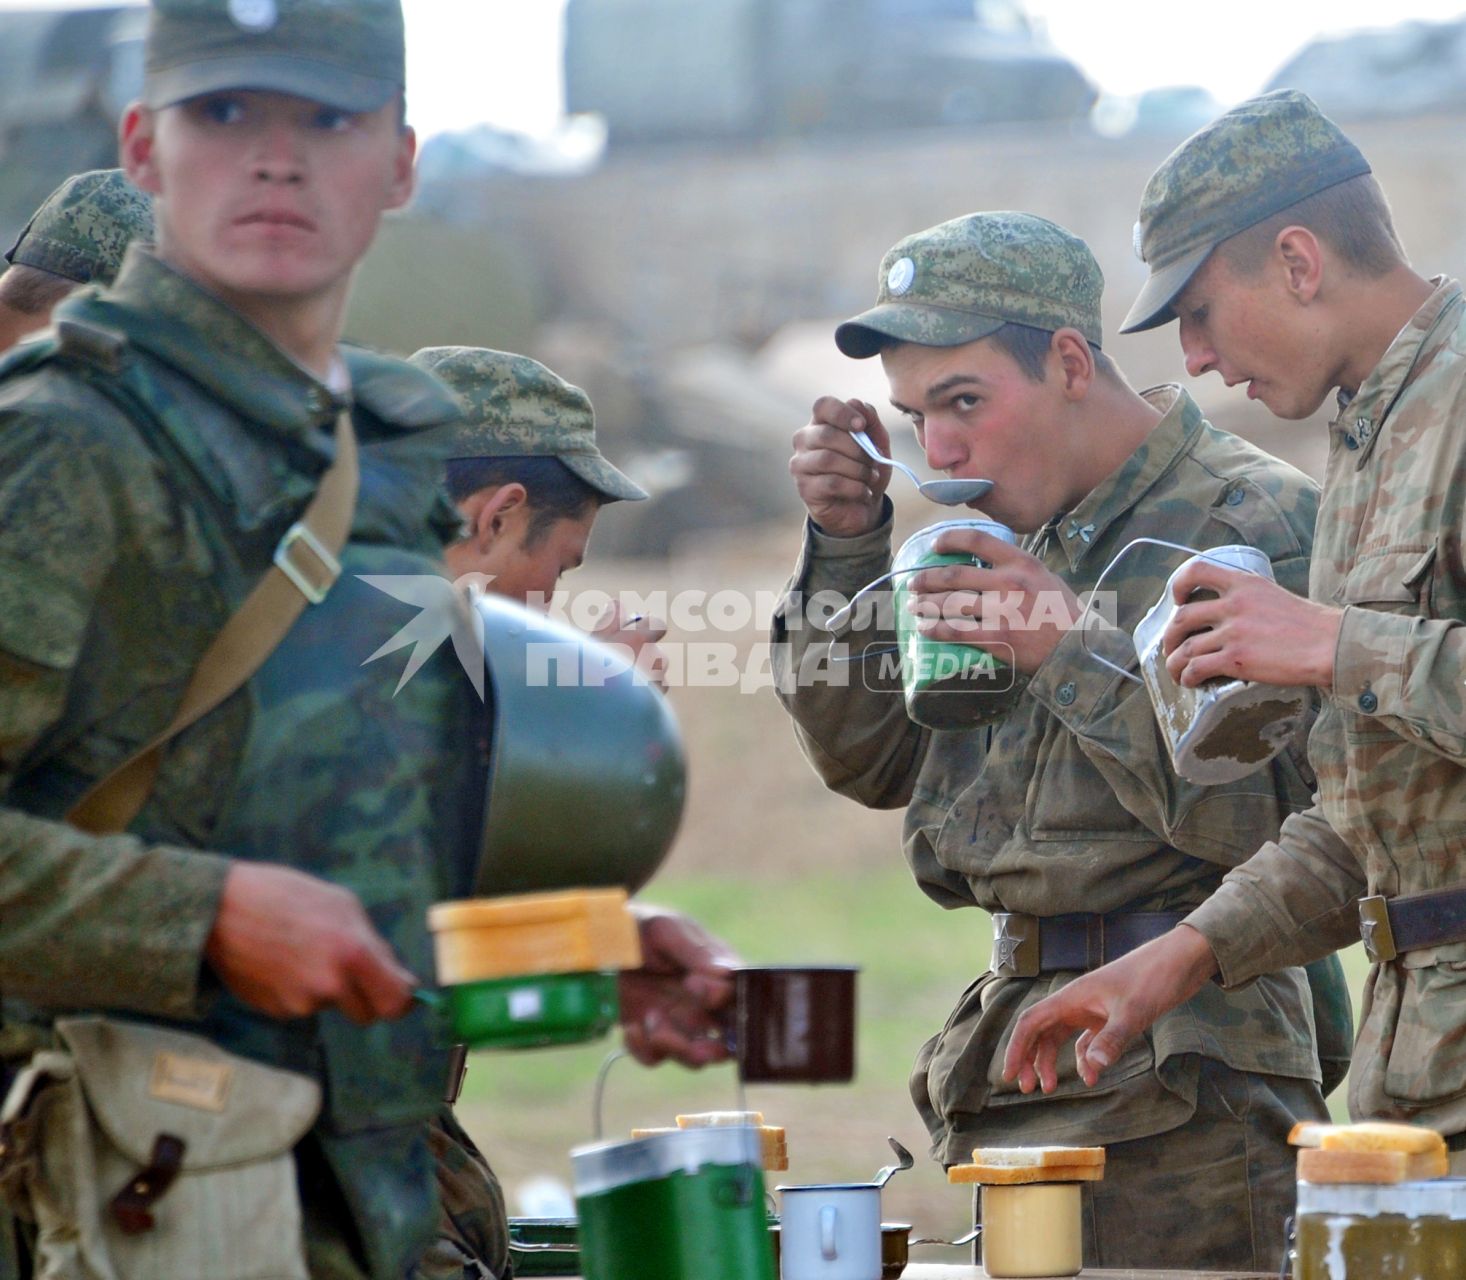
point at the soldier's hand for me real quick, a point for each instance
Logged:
(636, 638)
(1017, 610)
(1251, 629)
(1108, 1008)
(292, 945)
(670, 1006)
(840, 486)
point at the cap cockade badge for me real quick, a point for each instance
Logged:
(900, 276)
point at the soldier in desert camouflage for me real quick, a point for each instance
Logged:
(1271, 244)
(1063, 816)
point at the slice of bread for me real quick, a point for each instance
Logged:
(773, 1146)
(1367, 1135)
(1318, 1165)
(1026, 1157)
(994, 1175)
(709, 1119)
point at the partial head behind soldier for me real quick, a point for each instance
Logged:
(77, 237)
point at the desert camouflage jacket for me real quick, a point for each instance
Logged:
(1389, 746)
(1069, 803)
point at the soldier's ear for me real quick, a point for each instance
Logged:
(136, 134)
(1299, 254)
(508, 505)
(1070, 351)
(404, 171)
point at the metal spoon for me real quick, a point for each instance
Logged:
(950, 493)
(902, 1155)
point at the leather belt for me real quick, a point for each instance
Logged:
(1026, 946)
(1390, 926)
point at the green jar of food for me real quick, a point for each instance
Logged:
(948, 686)
(1409, 1231)
(684, 1205)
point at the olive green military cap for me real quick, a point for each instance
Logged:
(346, 54)
(964, 279)
(1256, 160)
(514, 407)
(84, 227)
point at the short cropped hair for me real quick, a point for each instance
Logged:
(31, 290)
(554, 491)
(1029, 349)
(1352, 218)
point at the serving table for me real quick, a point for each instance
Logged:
(946, 1271)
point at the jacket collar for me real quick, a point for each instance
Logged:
(167, 314)
(1084, 527)
(1363, 414)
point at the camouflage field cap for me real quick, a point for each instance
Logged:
(514, 407)
(1260, 157)
(346, 54)
(84, 227)
(964, 279)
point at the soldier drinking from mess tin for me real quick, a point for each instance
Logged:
(1060, 812)
(1272, 246)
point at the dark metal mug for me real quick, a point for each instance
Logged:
(793, 1024)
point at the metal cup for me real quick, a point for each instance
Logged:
(948, 686)
(794, 1024)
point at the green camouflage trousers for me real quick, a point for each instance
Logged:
(1211, 1195)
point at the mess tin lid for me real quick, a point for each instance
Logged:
(570, 931)
(604, 1166)
(1436, 1198)
(525, 908)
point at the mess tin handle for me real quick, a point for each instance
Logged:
(837, 620)
(829, 1215)
(1083, 623)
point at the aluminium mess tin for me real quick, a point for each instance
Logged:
(1223, 729)
(682, 1205)
(1404, 1231)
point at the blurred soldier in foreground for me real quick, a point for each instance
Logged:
(185, 432)
(527, 477)
(1272, 246)
(1059, 811)
(76, 237)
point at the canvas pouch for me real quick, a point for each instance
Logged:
(140, 1152)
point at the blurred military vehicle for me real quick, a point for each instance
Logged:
(1415, 68)
(759, 157)
(699, 70)
(65, 75)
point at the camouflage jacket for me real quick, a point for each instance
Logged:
(1390, 744)
(1069, 803)
(129, 530)
(109, 591)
